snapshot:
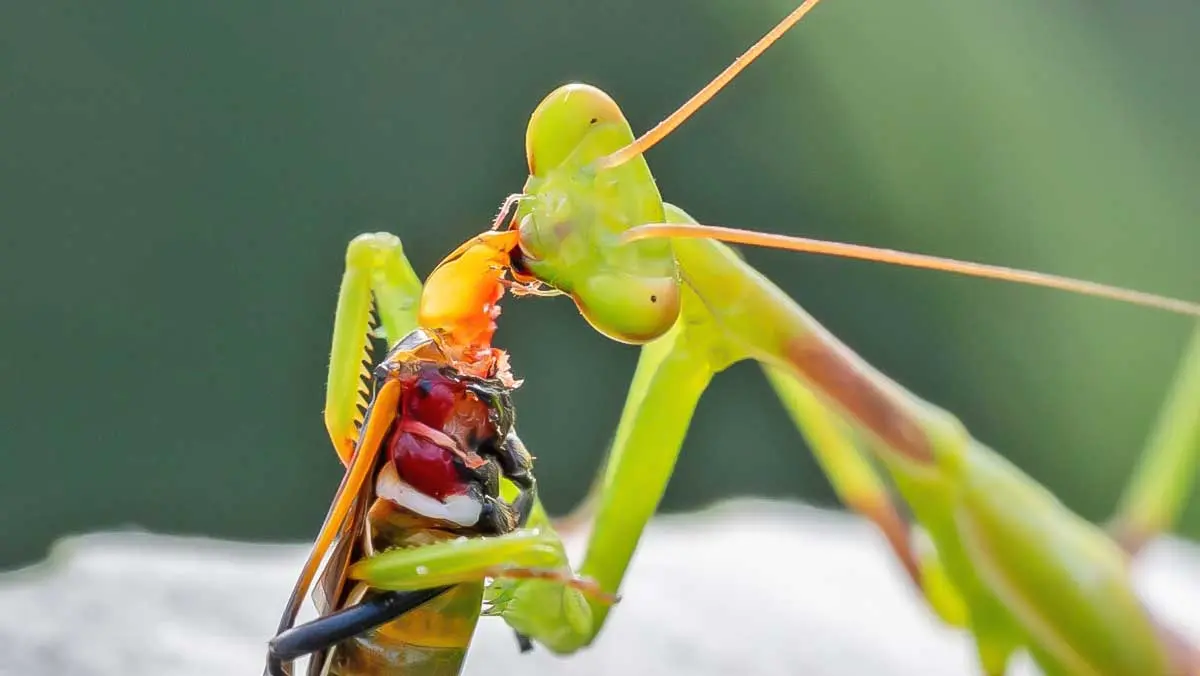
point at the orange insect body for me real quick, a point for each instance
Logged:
(461, 301)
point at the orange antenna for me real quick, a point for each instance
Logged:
(662, 129)
(912, 260)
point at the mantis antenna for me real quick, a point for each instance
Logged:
(668, 125)
(842, 249)
(912, 260)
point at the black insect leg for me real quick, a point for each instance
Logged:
(523, 505)
(329, 630)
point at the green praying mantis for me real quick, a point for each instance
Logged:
(999, 556)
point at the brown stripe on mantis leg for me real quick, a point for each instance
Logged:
(819, 380)
(564, 577)
(832, 372)
(896, 529)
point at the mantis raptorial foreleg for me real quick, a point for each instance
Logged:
(520, 555)
(549, 604)
(376, 272)
(376, 269)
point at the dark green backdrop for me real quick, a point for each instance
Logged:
(178, 182)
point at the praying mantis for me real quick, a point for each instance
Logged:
(998, 555)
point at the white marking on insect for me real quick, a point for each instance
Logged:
(459, 509)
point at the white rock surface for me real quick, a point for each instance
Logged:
(747, 588)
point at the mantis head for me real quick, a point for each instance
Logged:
(591, 220)
(589, 184)
(574, 211)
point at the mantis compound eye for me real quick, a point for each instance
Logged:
(562, 120)
(628, 308)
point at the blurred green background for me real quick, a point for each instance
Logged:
(178, 182)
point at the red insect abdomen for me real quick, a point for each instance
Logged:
(436, 404)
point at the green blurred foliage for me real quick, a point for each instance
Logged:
(178, 182)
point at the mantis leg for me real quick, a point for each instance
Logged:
(548, 603)
(1159, 489)
(376, 270)
(860, 488)
(852, 477)
(672, 373)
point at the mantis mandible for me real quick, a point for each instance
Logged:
(1007, 561)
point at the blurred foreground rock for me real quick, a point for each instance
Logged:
(746, 588)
